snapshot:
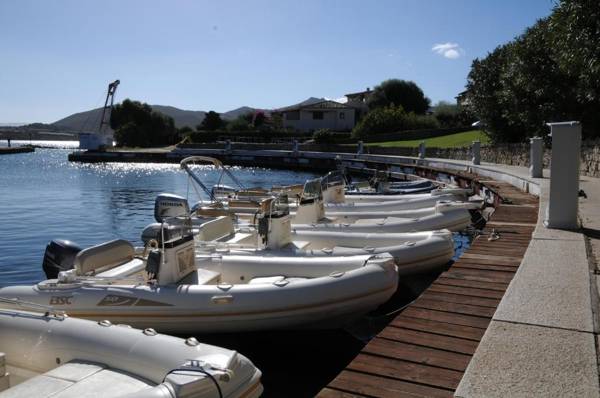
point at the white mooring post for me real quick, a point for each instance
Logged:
(476, 150)
(564, 175)
(536, 157)
(422, 150)
(361, 148)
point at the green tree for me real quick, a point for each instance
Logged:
(392, 119)
(212, 121)
(399, 92)
(239, 124)
(549, 73)
(136, 124)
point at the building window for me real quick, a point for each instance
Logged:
(293, 115)
(318, 115)
(342, 115)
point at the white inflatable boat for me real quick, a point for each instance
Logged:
(271, 234)
(311, 215)
(48, 354)
(333, 188)
(165, 289)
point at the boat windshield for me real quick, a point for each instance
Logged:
(312, 189)
(333, 179)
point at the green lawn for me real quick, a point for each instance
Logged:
(446, 141)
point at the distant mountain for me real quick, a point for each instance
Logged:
(234, 114)
(180, 116)
(90, 120)
(81, 121)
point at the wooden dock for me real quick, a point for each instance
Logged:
(426, 349)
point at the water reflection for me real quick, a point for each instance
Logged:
(43, 196)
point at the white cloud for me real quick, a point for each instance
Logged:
(448, 50)
(341, 100)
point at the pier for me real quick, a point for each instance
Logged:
(426, 349)
(19, 149)
(513, 316)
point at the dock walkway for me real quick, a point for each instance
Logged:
(426, 349)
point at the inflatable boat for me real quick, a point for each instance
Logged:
(166, 287)
(48, 354)
(271, 234)
(310, 213)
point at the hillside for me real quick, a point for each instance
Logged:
(180, 116)
(90, 120)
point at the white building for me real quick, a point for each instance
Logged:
(319, 115)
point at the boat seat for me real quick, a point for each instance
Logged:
(201, 277)
(123, 270)
(215, 229)
(239, 237)
(104, 256)
(79, 379)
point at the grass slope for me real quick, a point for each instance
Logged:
(447, 141)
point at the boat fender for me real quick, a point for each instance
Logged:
(153, 264)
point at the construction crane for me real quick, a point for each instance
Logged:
(99, 141)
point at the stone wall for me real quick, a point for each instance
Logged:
(510, 154)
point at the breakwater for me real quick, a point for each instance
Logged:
(21, 149)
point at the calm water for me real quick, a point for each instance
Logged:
(43, 197)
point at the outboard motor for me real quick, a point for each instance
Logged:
(59, 256)
(166, 208)
(168, 205)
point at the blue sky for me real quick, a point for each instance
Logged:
(57, 57)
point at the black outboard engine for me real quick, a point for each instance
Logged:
(59, 256)
(168, 205)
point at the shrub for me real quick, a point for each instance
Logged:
(203, 136)
(324, 136)
(392, 119)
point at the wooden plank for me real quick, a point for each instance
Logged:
(502, 268)
(514, 252)
(466, 309)
(331, 393)
(453, 344)
(501, 287)
(375, 386)
(442, 316)
(466, 291)
(497, 259)
(406, 371)
(443, 328)
(487, 262)
(476, 275)
(460, 299)
(417, 354)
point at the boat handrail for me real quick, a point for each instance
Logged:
(217, 163)
(46, 309)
